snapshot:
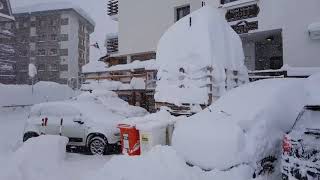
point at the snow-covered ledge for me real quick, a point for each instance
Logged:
(236, 3)
(314, 30)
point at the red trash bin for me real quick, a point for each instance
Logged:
(130, 139)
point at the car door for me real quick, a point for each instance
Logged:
(52, 126)
(74, 128)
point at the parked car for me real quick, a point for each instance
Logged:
(242, 128)
(89, 120)
(301, 146)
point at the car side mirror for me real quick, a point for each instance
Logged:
(79, 122)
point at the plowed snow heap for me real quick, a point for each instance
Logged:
(200, 58)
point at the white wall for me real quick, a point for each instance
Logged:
(142, 22)
(293, 17)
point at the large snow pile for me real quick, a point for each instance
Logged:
(243, 126)
(53, 6)
(43, 92)
(94, 66)
(161, 163)
(37, 159)
(194, 49)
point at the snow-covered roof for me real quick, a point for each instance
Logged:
(147, 65)
(53, 6)
(94, 66)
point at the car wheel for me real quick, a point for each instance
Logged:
(97, 146)
(29, 135)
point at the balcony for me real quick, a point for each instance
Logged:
(113, 9)
(112, 43)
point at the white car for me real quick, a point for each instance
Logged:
(89, 120)
(243, 128)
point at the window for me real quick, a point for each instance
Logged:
(41, 52)
(23, 53)
(8, 26)
(41, 67)
(227, 1)
(53, 37)
(63, 52)
(64, 37)
(42, 23)
(64, 21)
(53, 67)
(17, 25)
(52, 22)
(53, 52)
(42, 37)
(25, 24)
(182, 12)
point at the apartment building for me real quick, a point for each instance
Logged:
(55, 37)
(274, 32)
(7, 63)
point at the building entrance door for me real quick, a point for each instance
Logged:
(263, 50)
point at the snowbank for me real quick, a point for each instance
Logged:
(161, 163)
(189, 54)
(243, 126)
(37, 159)
(43, 92)
(147, 65)
(53, 6)
(94, 66)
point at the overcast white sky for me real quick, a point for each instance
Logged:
(97, 10)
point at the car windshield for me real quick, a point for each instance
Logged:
(309, 119)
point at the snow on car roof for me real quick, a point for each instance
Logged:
(53, 6)
(96, 107)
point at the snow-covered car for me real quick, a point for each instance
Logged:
(301, 146)
(242, 128)
(89, 120)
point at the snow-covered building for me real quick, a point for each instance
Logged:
(272, 31)
(53, 36)
(7, 63)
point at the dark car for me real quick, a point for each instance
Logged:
(301, 147)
